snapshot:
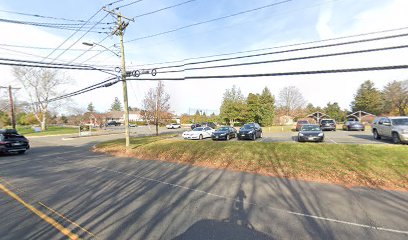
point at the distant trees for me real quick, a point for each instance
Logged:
(116, 105)
(257, 107)
(291, 100)
(40, 85)
(156, 104)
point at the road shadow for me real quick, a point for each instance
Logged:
(236, 227)
(370, 138)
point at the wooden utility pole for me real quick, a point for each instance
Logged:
(13, 116)
(121, 26)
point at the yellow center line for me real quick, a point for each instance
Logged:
(42, 215)
(72, 222)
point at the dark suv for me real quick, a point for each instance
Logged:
(12, 142)
(328, 124)
(250, 131)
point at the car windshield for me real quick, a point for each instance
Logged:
(222, 129)
(248, 126)
(198, 129)
(400, 122)
(311, 128)
(327, 121)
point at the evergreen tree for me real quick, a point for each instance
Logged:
(335, 112)
(368, 99)
(91, 107)
(267, 107)
(116, 105)
(233, 106)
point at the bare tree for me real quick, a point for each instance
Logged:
(41, 85)
(156, 104)
(291, 100)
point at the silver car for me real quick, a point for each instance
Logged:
(391, 127)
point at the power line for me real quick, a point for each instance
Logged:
(128, 4)
(276, 74)
(291, 59)
(290, 45)
(208, 21)
(46, 17)
(162, 9)
(44, 48)
(287, 51)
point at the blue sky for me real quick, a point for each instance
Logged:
(287, 23)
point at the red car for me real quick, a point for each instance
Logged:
(300, 123)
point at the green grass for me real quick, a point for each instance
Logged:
(381, 166)
(52, 130)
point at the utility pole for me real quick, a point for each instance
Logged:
(119, 32)
(13, 116)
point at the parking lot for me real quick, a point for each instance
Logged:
(337, 137)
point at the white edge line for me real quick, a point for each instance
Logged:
(277, 209)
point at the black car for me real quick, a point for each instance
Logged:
(224, 133)
(112, 123)
(250, 131)
(311, 133)
(353, 125)
(328, 125)
(12, 142)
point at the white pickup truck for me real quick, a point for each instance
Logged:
(173, 126)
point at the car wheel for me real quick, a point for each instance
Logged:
(260, 136)
(254, 137)
(200, 137)
(376, 135)
(395, 138)
(228, 137)
(21, 152)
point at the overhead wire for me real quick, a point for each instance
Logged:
(208, 21)
(291, 45)
(275, 74)
(162, 9)
(286, 51)
(128, 4)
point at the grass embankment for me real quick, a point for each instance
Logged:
(51, 130)
(377, 166)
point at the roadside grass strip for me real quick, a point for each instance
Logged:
(375, 166)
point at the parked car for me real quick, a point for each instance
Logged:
(12, 142)
(300, 123)
(173, 126)
(250, 131)
(310, 133)
(198, 133)
(328, 124)
(205, 124)
(353, 125)
(225, 132)
(195, 125)
(132, 125)
(112, 123)
(391, 127)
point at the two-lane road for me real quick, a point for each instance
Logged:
(61, 190)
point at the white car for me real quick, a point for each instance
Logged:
(198, 133)
(173, 126)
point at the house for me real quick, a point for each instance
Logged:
(119, 116)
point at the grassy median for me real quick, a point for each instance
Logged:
(377, 166)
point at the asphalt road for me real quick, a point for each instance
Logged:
(95, 196)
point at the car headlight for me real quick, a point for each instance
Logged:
(301, 134)
(252, 131)
(223, 134)
(405, 131)
(321, 134)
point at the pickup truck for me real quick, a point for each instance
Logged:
(173, 126)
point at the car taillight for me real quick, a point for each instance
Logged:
(3, 143)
